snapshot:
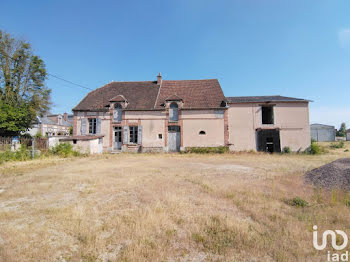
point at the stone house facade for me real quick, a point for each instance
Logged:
(172, 115)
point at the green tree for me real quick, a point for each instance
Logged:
(342, 130)
(23, 93)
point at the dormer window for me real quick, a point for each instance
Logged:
(174, 112)
(117, 113)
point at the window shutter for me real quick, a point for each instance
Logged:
(139, 135)
(125, 135)
(83, 126)
(98, 126)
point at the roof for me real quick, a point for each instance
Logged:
(140, 95)
(173, 98)
(70, 138)
(47, 121)
(118, 98)
(321, 126)
(147, 95)
(205, 93)
(263, 99)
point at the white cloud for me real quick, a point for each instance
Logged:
(344, 37)
(330, 115)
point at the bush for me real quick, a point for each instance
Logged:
(38, 135)
(297, 202)
(64, 150)
(20, 155)
(208, 150)
(347, 202)
(340, 144)
(314, 149)
(286, 150)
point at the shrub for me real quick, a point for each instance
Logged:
(208, 150)
(314, 149)
(64, 150)
(297, 202)
(20, 155)
(340, 144)
(38, 135)
(347, 202)
(286, 150)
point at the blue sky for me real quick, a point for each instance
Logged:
(295, 48)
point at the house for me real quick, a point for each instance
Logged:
(172, 115)
(51, 125)
(268, 123)
(322, 133)
(348, 135)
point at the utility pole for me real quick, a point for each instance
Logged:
(33, 147)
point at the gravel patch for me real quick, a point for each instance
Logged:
(333, 175)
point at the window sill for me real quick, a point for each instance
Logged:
(133, 145)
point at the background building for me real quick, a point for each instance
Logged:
(322, 133)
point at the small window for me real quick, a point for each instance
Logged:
(173, 112)
(133, 134)
(74, 141)
(174, 128)
(202, 132)
(267, 115)
(117, 113)
(160, 136)
(92, 125)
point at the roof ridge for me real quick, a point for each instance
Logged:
(191, 79)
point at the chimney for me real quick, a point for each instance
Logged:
(159, 79)
(65, 116)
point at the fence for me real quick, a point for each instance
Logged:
(40, 143)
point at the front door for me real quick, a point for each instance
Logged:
(117, 138)
(174, 138)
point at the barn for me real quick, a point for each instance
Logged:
(322, 133)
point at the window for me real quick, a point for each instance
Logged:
(173, 112)
(267, 115)
(92, 125)
(160, 136)
(117, 113)
(133, 134)
(74, 141)
(173, 128)
(202, 132)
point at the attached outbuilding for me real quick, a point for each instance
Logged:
(322, 133)
(85, 144)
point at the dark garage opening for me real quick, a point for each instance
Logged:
(269, 140)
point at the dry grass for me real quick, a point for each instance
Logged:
(165, 208)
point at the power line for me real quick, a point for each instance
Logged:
(62, 79)
(55, 76)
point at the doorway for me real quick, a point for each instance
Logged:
(117, 138)
(269, 140)
(174, 138)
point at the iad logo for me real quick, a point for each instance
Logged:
(334, 256)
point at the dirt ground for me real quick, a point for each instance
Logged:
(166, 207)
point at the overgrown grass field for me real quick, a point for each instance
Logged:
(167, 207)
